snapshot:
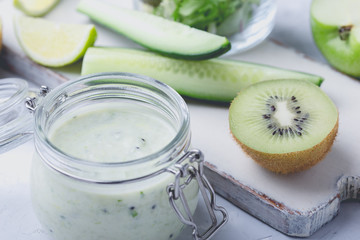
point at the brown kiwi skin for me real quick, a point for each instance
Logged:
(292, 162)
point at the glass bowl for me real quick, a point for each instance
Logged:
(246, 23)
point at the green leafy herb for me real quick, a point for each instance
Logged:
(133, 213)
(223, 17)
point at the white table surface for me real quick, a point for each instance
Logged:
(18, 222)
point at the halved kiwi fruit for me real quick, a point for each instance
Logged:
(284, 125)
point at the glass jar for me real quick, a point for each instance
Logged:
(149, 197)
(15, 121)
(246, 23)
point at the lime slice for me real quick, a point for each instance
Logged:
(53, 44)
(35, 8)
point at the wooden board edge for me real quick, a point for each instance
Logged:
(22, 66)
(282, 218)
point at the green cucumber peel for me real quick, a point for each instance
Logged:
(155, 33)
(215, 79)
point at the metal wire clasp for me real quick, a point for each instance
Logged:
(31, 103)
(188, 171)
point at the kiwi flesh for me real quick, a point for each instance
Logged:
(284, 125)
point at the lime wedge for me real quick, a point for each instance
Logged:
(53, 44)
(35, 8)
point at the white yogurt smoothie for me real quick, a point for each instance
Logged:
(77, 210)
(117, 133)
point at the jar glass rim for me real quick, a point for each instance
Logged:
(181, 135)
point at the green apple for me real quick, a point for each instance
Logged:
(335, 26)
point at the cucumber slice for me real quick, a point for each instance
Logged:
(215, 79)
(155, 33)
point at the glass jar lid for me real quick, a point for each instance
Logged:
(16, 122)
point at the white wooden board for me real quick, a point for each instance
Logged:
(296, 204)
